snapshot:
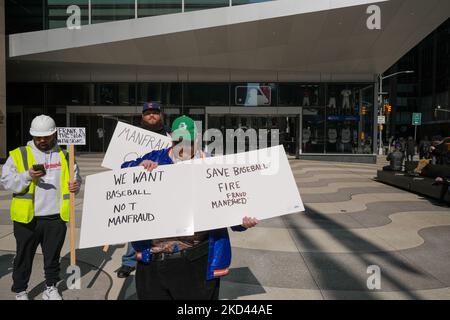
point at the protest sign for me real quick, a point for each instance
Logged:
(212, 193)
(257, 184)
(71, 137)
(134, 204)
(129, 143)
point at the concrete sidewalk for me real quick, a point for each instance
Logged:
(351, 222)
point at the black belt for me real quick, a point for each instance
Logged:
(50, 217)
(160, 256)
(191, 254)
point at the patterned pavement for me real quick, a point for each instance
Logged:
(351, 222)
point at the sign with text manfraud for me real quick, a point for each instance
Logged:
(257, 184)
(134, 204)
(211, 193)
(71, 136)
(129, 143)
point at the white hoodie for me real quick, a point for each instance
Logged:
(47, 198)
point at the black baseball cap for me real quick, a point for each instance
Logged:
(153, 105)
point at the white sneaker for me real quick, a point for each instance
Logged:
(22, 295)
(51, 293)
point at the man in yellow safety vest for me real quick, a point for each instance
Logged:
(38, 176)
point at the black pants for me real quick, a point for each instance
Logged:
(50, 233)
(182, 278)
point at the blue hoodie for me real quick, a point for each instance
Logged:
(219, 253)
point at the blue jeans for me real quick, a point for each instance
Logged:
(129, 258)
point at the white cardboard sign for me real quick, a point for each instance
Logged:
(134, 204)
(129, 143)
(71, 136)
(256, 184)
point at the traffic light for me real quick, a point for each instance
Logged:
(380, 127)
(387, 108)
(363, 110)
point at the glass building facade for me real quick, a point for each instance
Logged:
(321, 117)
(311, 117)
(423, 91)
(34, 15)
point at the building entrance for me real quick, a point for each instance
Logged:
(286, 126)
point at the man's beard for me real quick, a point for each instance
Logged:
(46, 147)
(152, 127)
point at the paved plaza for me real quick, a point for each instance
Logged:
(351, 222)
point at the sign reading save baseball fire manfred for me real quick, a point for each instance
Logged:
(257, 184)
(176, 200)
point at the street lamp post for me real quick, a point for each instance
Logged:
(380, 104)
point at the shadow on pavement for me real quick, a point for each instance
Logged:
(85, 269)
(128, 291)
(333, 273)
(96, 257)
(240, 276)
(228, 290)
(6, 264)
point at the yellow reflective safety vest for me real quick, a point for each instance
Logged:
(22, 204)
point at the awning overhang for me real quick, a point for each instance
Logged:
(286, 35)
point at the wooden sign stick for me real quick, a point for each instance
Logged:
(73, 258)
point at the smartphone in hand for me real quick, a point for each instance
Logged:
(39, 167)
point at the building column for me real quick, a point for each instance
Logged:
(2, 82)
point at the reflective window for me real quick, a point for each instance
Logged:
(193, 5)
(158, 7)
(29, 15)
(349, 118)
(206, 94)
(168, 94)
(57, 15)
(23, 16)
(110, 10)
(297, 94)
(313, 136)
(239, 2)
(25, 94)
(122, 94)
(67, 94)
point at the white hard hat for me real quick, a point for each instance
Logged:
(42, 126)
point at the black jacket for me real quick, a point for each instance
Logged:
(396, 160)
